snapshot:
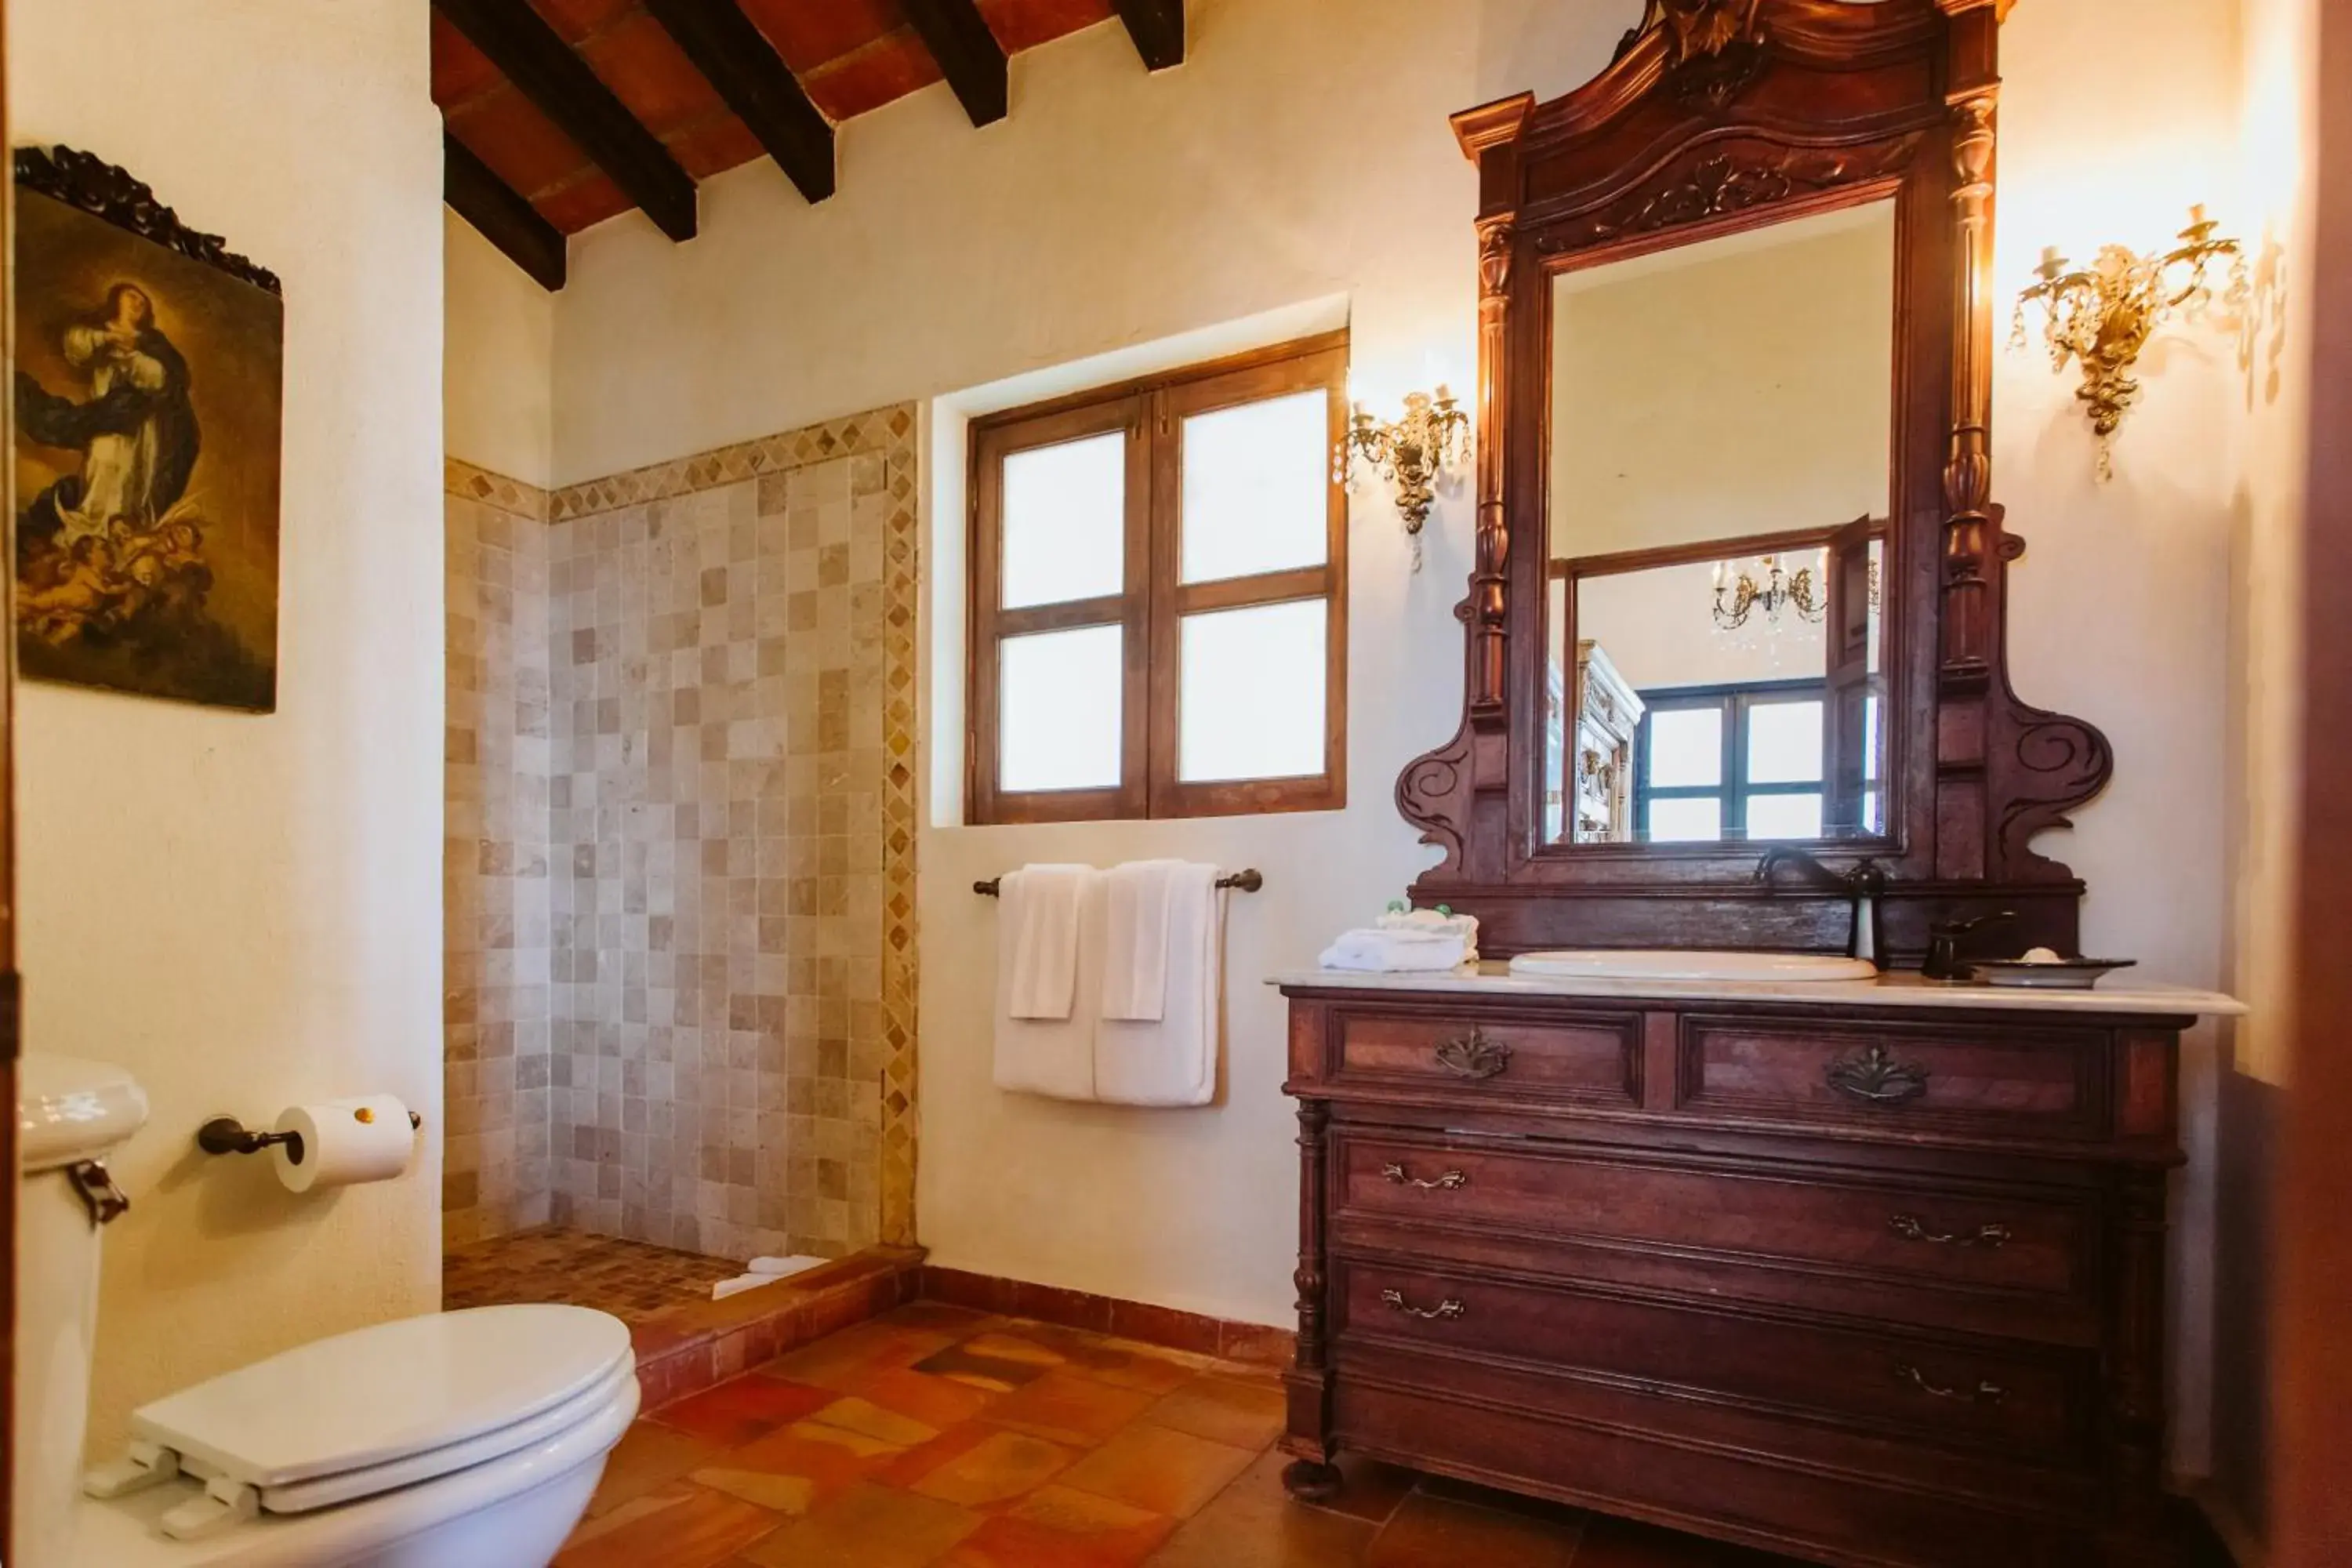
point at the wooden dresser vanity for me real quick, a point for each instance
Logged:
(1873, 1278)
(1869, 1271)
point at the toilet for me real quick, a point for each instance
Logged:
(469, 1439)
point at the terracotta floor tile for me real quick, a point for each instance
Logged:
(647, 1457)
(789, 1495)
(935, 1402)
(1247, 1414)
(1370, 1489)
(852, 1413)
(993, 1370)
(1622, 1543)
(1252, 1524)
(1016, 1341)
(630, 1280)
(629, 1513)
(939, 1316)
(840, 1361)
(917, 1462)
(999, 1468)
(1125, 1363)
(702, 1529)
(868, 1527)
(829, 1459)
(1434, 1533)
(736, 1412)
(1058, 1527)
(1069, 1408)
(1158, 1470)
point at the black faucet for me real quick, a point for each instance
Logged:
(1943, 961)
(1865, 885)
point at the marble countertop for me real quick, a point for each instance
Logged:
(1899, 989)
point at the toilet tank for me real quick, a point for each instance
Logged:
(71, 1114)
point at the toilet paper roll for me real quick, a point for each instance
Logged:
(343, 1141)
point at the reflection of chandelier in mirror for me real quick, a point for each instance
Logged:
(1736, 598)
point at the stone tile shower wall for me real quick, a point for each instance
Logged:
(495, 938)
(731, 825)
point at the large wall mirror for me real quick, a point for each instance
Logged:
(1739, 580)
(1721, 419)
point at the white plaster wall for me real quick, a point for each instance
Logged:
(1303, 150)
(246, 910)
(497, 372)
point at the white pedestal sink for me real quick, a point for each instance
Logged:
(1665, 964)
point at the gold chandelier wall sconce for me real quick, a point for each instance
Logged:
(1428, 442)
(2102, 316)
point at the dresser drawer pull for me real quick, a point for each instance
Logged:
(1877, 1078)
(1989, 1236)
(1395, 1302)
(1983, 1393)
(1452, 1181)
(1474, 1055)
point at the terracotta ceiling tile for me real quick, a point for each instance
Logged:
(872, 77)
(812, 33)
(1025, 23)
(460, 71)
(583, 202)
(719, 142)
(578, 19)
(522, 145)
(648, 72)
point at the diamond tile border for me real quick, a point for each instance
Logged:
(889, 433)
(463, 480)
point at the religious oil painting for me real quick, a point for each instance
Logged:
(148, 393)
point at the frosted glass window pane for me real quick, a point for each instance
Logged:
(1257, 488)
(1784, 817)
(1251, 706)
(1784, 742)
(1066, 521)
(1870, 739)
(1686, 821)
(1685, 746)
(1059, 710)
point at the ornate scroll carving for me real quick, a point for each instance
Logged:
(1876, 1077)
(1733, 180)
(1433, 792)
(2052, 763)
(86, 180)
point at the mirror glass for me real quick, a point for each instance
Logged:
(1721, 431)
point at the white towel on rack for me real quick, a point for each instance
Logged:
(1135, 948)
(1172, 1060)
(1053, 1056)
(1038, 932)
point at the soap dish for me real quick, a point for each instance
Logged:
(2061, 974)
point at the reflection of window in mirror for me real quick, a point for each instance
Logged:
(1721, 423)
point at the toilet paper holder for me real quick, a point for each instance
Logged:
(227, 1135)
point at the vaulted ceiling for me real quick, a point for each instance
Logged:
(561, 113)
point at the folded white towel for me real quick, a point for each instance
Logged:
(1172, 1060)
(1136, 936)
(1037, 928)
(1396, 951)
(1053, 1056)
(778, 1267)
(741, 1283)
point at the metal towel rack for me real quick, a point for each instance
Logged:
(1244, 881)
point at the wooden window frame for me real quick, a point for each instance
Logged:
(1152, 603)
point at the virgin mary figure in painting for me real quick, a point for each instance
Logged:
(137, 432)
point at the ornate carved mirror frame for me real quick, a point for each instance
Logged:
(1716, 117)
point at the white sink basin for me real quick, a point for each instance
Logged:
(1662, 964)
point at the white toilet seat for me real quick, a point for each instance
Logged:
(361, 1448)
(478, 1517)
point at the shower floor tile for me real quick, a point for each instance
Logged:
(630, 1280)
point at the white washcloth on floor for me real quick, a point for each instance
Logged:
(1136, 936)
(1053, 1056)
(1396, 951)
(1037, 931)
(1172, 1060)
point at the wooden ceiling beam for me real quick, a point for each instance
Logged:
(735, 57)
(1158, 28)
(501, 216)
(544, 70)
(968, 53)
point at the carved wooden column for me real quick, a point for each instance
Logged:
(1489, 591)
(2135, 1369)
(1308, 1384)
(1968, 619)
